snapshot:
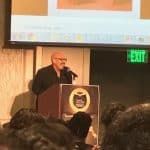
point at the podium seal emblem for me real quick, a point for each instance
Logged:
(79, 99)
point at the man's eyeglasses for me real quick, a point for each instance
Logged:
(62, 59)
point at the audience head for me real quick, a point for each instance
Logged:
(79, 124)
(48, 135)
(110, 112)
(6, 125)
(9, 141)
(130, 130)
(24, 118)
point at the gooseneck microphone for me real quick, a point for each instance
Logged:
(67, 69)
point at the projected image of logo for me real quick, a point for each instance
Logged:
(79, 100)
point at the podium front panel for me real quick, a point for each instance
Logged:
(64, 100)
(79, 98)
(82, 98)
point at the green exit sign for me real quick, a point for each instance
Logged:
(137, 56)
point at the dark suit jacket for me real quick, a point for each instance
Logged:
(47, 77)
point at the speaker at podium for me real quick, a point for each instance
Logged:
(63, 100)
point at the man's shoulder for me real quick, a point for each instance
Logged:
(45, 69)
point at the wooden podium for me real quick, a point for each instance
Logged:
(63, 100)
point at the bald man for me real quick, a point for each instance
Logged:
(52, 74)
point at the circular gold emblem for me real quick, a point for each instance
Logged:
(79, 100)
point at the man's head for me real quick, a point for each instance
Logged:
(58, 60)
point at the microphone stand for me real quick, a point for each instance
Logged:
(74, 78)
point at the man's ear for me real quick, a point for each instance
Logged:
(53, 61)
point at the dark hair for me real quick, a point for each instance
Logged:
(35, 140)
(130, 130)
(110, 112)
(24, 118)
(10, 141)
(79, 124)
(48, 134)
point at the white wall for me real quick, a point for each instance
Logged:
(16, 71)
(15, 74)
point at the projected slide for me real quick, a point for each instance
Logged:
(122, 22)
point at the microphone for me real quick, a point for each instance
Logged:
(67, 69)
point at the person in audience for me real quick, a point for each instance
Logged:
(110, 112)
(9, 141)
(6, 125)
(46, 135)
(130, 130)
(24, 118)
(79, 125)
(15, 140)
